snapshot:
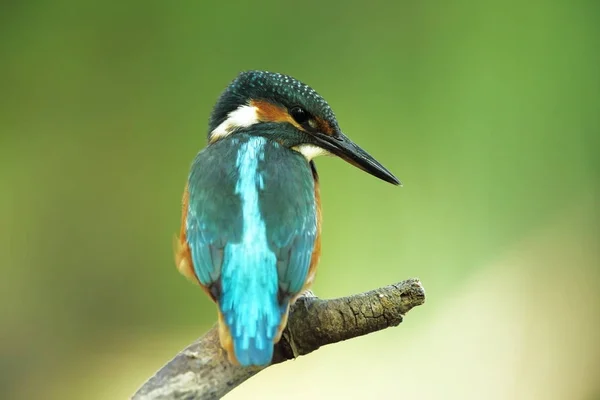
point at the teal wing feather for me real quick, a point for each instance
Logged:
(289, 209)
(214, 212)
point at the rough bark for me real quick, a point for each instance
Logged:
(202, 371)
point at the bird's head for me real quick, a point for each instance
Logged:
(283, 109)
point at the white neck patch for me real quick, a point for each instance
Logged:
(310, 151)
(242, 117)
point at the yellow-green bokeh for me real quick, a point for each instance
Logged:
(487, 112)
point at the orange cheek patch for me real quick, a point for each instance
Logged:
(269, 112)
(324, 126)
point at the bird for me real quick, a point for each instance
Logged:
(251, 210)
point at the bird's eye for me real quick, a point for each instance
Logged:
(299, 115)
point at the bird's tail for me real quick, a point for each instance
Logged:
(251, 311)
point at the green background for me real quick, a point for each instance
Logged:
(488, 112)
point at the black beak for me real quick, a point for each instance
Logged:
(340, 145)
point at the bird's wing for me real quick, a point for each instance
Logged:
(289, 209)
(213, 214)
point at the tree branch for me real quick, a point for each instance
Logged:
(202, 371)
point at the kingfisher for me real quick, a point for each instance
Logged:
(251, 210)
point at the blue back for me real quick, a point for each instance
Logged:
(251, 228)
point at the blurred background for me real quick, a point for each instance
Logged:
(488, 112)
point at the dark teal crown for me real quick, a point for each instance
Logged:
(276, 88)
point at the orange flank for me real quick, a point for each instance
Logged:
(226, 340)
(183, 255)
